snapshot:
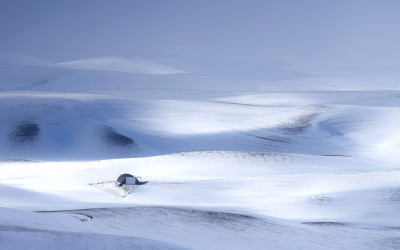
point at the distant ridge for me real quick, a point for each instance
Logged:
(120, 64)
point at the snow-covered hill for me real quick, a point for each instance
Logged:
(296, 161)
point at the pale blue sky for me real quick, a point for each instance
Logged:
(331, 31)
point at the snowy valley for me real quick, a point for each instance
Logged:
(238, 146)
(268, 165)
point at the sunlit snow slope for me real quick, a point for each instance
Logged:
(293, 158)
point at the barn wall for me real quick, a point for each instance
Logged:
(130, 180)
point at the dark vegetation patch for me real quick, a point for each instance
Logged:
(25, 133)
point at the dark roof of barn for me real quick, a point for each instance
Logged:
(123, 176)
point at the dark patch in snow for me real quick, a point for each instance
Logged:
(21, 229)
(299, 125)
(115, 139)
(320, 200)
(326, 223)
(25, 133)
(337, 155)
(39, 83)
(274, 139)
(395, 195)
(237, 155)
(82, 217)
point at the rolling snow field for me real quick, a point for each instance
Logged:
(297, 158)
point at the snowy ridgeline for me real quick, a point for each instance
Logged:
(294, 159)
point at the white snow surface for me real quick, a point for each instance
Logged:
(304, 160)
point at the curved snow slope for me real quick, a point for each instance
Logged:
(51, 125)
(120, 64)
(38, 125)
(64, 234)
(331, 179)
(186, 228)
(208, 199)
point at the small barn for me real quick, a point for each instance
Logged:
(127, 179)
